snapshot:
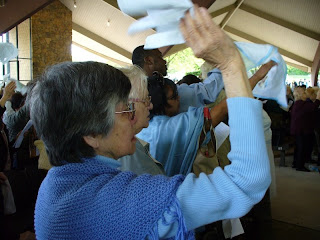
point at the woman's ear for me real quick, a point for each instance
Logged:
(92, 141)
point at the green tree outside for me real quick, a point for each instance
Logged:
(183, 62)
(295, 71)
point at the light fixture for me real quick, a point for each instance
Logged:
(2, 3)
(74, 4)
(108, 23)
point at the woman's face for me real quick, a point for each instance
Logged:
(143, 107)
(173, 100)
(121, 140)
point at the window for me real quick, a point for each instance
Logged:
(19, 68)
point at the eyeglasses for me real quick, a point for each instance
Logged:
(131, 111)
(146, 101)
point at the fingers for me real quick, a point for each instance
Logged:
(265, 68)
(195, 31)
(9, 89)
(11, 86)
(189, 29)
(271, 63)
(207, 19)
(206, 39)
(199, 21)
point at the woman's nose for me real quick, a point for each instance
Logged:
(150, 107)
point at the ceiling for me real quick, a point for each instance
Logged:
(291, 25)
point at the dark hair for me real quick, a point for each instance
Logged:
(72, 100)
(189, 79)
(138, 55)
(158, 87)
(17, 100)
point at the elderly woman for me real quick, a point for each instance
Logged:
(81, 112)
(141, 161)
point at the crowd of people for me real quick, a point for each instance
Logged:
(297, 125)
(128, 154)
(305, 126)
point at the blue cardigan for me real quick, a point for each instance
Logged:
(94, 200)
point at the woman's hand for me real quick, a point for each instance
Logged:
(8, 92)
(209, 42)
(9, 89)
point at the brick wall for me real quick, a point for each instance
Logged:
(51, 36)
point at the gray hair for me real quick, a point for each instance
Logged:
(72, 100)
(297, 93)
(138, 79)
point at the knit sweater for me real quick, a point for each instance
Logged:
(94, 200)
(224, 194)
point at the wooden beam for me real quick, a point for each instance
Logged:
(223, 10)
(16, 11)
(302, 68)
(101, 40)
(315, 67)
(121, 63)
(280, 22)
(113, 3)
(204, 3)
(257, 40)
(227, 18)
(201, 3)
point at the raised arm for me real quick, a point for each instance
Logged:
(228, 193)
(261, 73)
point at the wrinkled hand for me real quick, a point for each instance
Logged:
(206, 39)
(9, 89)
(264, 69)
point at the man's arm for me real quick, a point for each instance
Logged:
(261, 73)
(199, 94)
